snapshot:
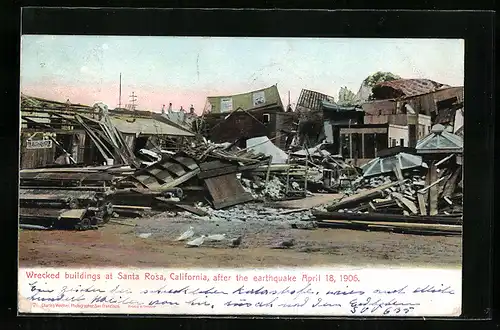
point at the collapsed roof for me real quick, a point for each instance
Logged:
(311, 100)
(405, 87)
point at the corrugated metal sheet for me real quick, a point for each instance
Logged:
(146, 126)
(405, 87)
(312, 101)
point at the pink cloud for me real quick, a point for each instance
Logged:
(148, 97)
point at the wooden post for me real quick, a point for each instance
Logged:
(350, 145)
(433, 191)
(287, 173)
(362, 145)
(305, 177)
(268, 169)
(421, 203)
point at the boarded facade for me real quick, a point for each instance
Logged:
(254, 99)
(242, 125)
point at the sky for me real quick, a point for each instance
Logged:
(185, 70)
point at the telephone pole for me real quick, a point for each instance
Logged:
(133, 99)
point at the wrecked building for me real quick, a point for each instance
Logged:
(248, 115)
(309, 109)
(416, 103)
(64, 133)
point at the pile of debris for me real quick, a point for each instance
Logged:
(66, 198)
(75, 197)
(389, 203)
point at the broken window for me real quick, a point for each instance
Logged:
(393, 143)
(370, 146)
(412, 134)
(381, 142)
(357, 151)
(344, 145)
(446, 104)
(266, 118)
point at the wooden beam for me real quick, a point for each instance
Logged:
(421, 204)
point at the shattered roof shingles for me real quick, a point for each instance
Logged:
(409, 87)
(312, 100)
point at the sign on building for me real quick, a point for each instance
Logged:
(226, 104)
(38, 144)
(258, 98)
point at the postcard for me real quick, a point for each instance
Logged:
(240, 176)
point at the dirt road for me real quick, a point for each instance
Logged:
(120, 246)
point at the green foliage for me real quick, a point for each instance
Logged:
(379, 77)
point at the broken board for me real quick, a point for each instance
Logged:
(226, 190)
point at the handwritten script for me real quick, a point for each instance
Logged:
(360, 293)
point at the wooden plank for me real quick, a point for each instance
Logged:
(433, 189)
(192, 209)
(361, 196)
(164, 176)
(177, 181)
(242, 198)
(73, 214)
(218, 172)
(132, 207)
(451, 183)
(226, 190)
(406, 202)
(214, 164)
(386, 217)
(187, 162)
(421, 204)
(172, 167)
(455, 228)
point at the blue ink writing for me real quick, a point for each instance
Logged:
(398, 291)
(241, 303)
(432, 289)
(321, 303)
(112, 300)
(295, 305)
(345, 293)
(164, 302)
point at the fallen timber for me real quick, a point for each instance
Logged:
(367, 226)
(388, 218)
(70, 219)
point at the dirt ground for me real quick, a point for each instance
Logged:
(115, 245)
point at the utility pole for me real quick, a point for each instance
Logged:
(133, 99)
(120, 93)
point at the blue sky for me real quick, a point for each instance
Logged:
(185, 70)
